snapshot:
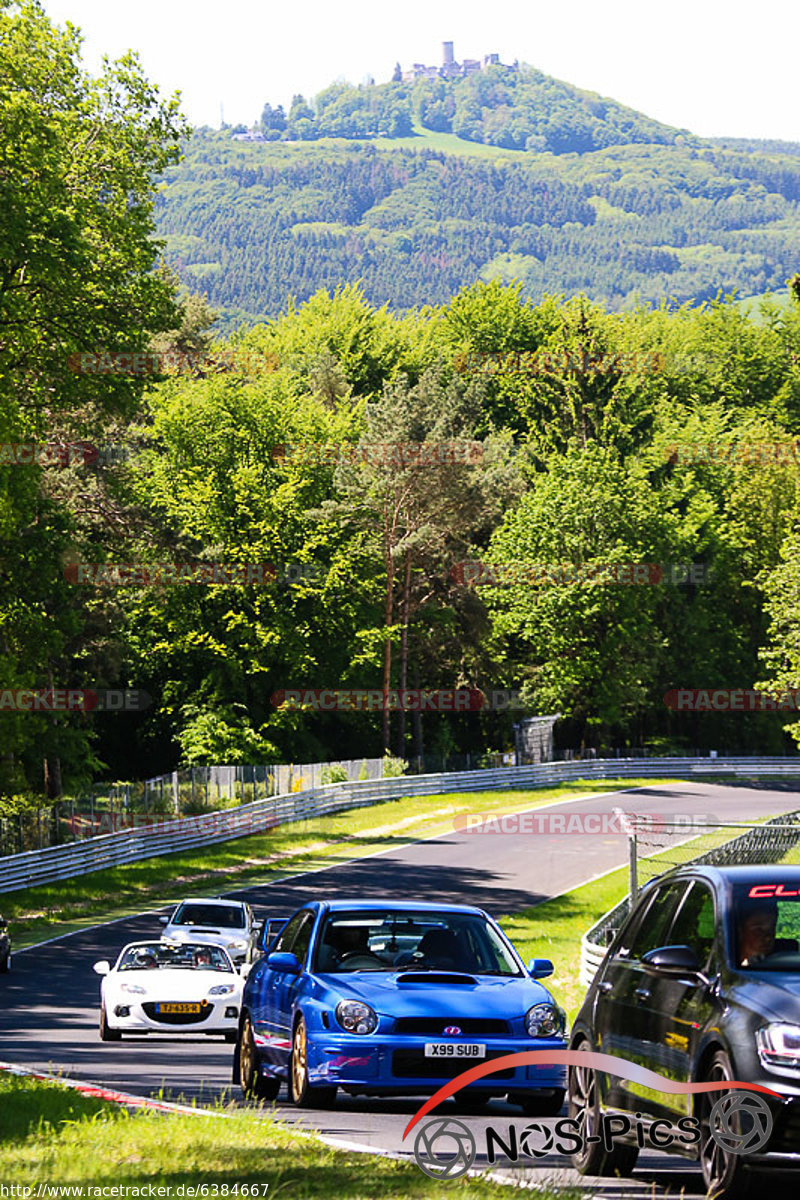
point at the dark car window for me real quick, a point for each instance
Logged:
(222, 916)
(387, 940)
(303, 937)
(652, 930)
(766, 925)
(296, 935)
(694, 924)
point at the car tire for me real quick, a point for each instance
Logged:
(301, 1093)
(107, 1034)
(255, 1086)
(724, 1174)
(583, 1105)
(538, 1106)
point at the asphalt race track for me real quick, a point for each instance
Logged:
(49, 1001)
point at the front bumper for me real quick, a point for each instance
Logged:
(381, 1064)
(141, 1018)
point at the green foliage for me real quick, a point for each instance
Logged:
(393, 768)
(418, 218)
(333, 773)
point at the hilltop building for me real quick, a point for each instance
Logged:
(450, 69)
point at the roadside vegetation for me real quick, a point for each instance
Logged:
(54, 1135)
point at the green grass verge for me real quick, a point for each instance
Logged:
(54, 1135)
(57, 908)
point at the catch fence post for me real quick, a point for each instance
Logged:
(632, 859)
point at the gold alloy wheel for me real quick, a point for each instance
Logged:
(299, 1060)
(246, 1057)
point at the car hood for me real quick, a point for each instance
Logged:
(408, 994)
(198, 933)
(175, 984)
(774, 994)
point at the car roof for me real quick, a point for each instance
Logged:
(739, 873)
(172, 944)
(395, 906)
(212, 900)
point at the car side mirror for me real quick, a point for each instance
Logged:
(164, 920)
(671, 960)
(280, 960)
(540, 968)
(102, 967)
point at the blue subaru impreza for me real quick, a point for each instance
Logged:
(395, 998)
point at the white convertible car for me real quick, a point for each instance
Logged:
(155, 987)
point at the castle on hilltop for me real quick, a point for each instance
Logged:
(450, 69)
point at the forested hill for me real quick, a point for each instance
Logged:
(417, 216)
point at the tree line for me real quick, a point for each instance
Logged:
(631, 505)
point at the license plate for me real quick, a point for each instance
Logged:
(454, 1050)
(178, 1008)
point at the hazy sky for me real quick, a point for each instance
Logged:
(715, 68)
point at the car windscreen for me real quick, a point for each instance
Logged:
(766, 926)
(220, 916)
(411, 941)
(189, 956)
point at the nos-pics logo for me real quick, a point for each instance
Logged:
(740, 1122)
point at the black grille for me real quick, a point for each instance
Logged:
(179, 1018)
(412, 1064)
(437, 1025)
(786, 1138)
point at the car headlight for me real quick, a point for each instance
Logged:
(222, 989)
(779, 1047)
(133, 988)
(237, 944)
(356, 1017)
(545, 1020)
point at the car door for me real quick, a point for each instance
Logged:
(262, 985)
(678, 1009)
(622, 1024)
(282, 986)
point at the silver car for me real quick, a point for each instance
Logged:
(226, 923)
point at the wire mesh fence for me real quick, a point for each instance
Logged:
(140, 804)
(666, 844)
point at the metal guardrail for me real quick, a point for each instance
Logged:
(765, 843)
(182, 833)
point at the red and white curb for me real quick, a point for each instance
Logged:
(98, 1092)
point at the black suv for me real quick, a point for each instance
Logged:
(701, 983)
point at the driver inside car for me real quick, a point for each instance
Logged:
(756, 933)
(340, 942)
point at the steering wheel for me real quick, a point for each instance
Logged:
(363, 957)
